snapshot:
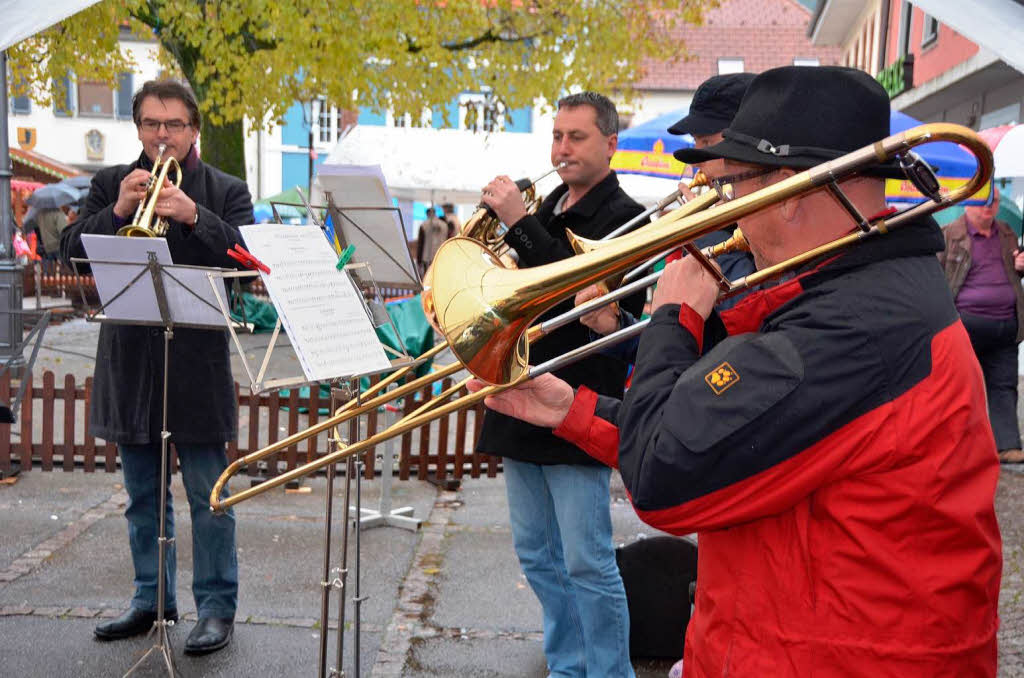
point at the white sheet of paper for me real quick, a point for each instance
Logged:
(319, 306)
(138, 302)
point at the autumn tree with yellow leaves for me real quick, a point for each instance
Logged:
(254, 58)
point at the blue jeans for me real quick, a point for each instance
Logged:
(214, 560)
(562, 528)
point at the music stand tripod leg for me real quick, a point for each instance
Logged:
(163, 642)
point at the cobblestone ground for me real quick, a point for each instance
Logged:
(1010, 510)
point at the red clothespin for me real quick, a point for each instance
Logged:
(242, 256)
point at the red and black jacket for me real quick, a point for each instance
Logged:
(835, 456)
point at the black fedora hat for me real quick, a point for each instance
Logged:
(801, 116)
(714, 104)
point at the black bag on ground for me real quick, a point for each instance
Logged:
(657, 573)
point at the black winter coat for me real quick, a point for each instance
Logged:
(128, 382)
(540, 239)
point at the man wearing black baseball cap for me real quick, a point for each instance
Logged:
(713, 107)
(834, 453)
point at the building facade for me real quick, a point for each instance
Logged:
(89, 124)
(934, 72)
(736, 36)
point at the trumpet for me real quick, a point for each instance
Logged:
(143, 224)
(488, 309)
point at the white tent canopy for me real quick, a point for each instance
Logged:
(444, 165)
(23, 19)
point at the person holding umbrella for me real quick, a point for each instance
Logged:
(48, 218)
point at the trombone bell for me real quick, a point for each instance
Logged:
(492, 344)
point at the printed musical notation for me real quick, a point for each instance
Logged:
(319, 305)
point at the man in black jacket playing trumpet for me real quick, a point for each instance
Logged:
(558, 496)
(204, 215)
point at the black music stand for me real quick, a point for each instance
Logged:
(177, 310)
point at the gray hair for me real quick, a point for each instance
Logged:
(607, 116)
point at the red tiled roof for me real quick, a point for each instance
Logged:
(764, 33)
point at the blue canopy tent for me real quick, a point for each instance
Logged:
(953, 166)
(647, 148)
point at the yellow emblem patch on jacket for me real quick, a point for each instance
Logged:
(721, 378)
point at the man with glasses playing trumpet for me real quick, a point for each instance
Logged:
(559, 502)
(833, 453)
(203, 217)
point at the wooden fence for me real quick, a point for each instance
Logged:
(57, 280)
(52, 433)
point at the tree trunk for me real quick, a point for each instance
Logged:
(223, 147)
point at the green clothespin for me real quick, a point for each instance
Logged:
(346, 254)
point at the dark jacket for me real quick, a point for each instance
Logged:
(127, 389)
(825, 453)
(540, 239)
(956, 261)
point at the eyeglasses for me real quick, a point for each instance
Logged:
(172, 126)
(742, 176)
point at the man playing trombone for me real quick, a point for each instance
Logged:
(558, 496)
(203, 216)
(834, 452)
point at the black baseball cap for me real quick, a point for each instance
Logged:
(800, 116)
(714, 104)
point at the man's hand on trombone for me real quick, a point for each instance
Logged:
(544, 401)
(685, 281)
(604, 320)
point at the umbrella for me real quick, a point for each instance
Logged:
(53, 195)
(286, 211)
(1007, 143)
(647, 148)
(1009, 153)
(79, 181)
(953, 166)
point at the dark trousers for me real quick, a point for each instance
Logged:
(995, 344)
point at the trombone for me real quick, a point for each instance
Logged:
(488, 309)
(354, 408)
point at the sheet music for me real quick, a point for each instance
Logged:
(182, 284)
(319, 305)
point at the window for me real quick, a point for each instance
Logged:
(481, 112)
(800, 61)
(323, 121)
(930, 32)
(63, 97)
(95, 99)
(906, 13)
(730, 65)
(124, 96)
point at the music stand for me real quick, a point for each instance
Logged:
(152, 280)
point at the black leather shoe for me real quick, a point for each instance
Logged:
(131, 623)
(209, 635)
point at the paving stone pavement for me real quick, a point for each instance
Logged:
(448, 600)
